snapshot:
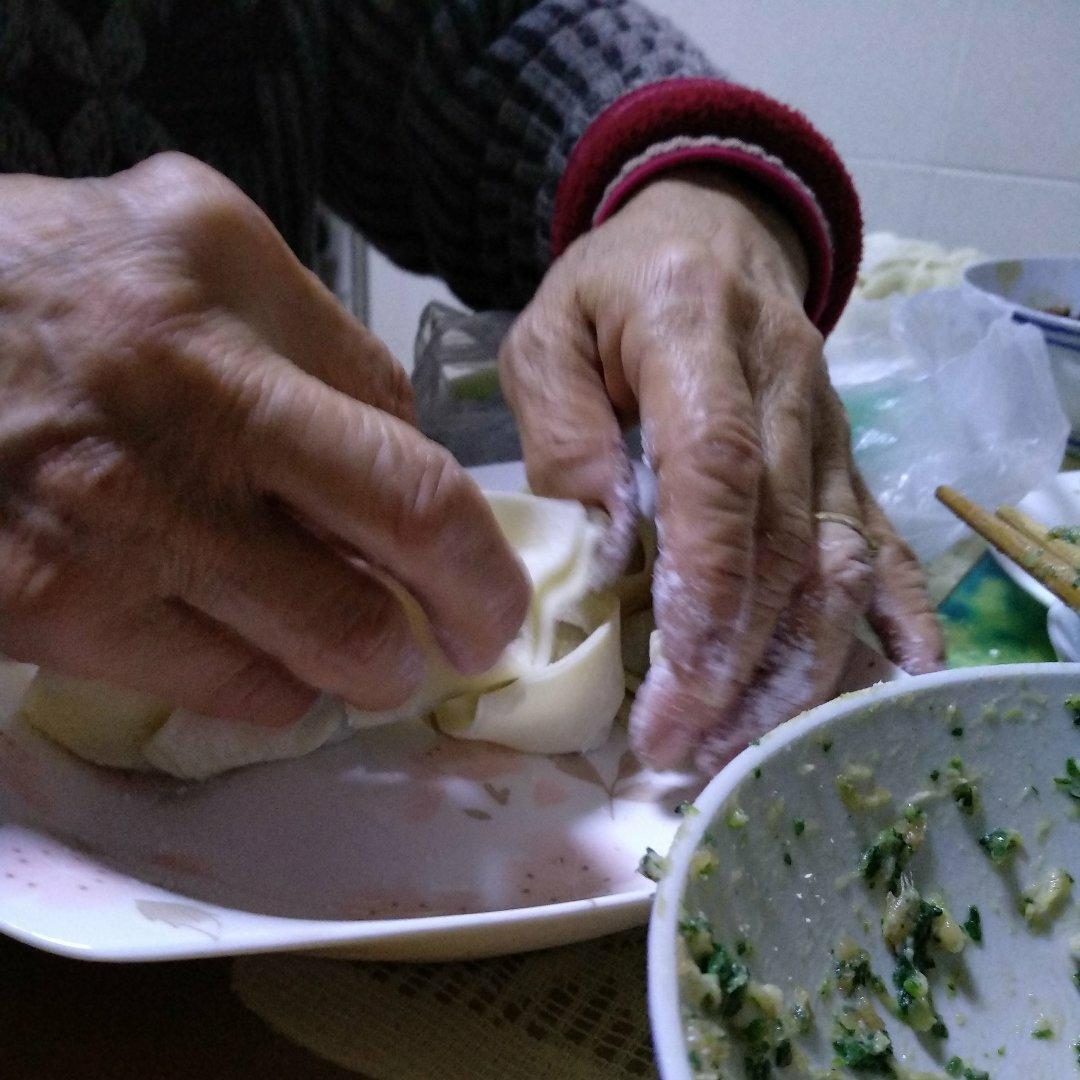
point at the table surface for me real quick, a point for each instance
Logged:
(66, 1019)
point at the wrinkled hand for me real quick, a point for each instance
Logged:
(685, 311)
(200, 452)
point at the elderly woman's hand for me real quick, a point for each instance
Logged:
(200, 452)
(685, 311)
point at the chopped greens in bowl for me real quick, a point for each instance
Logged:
(900, 904)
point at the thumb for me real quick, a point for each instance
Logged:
(571, 438)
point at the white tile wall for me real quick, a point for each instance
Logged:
(1006, 215)
(960, 119)
(869, 72)
(1018, 93)
(957, 117)
(395, 300)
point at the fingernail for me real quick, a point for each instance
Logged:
(916, 663)
(411, 665)
(502, 610)
(464, 658)
(400, 664)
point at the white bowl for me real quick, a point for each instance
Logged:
(1063, 629)
(1015, 731)
(1026, 286)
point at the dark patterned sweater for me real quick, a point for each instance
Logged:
(472, 139)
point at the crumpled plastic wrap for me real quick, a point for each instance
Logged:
(456, 384)
(943, 388)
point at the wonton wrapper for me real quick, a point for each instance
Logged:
(128, 730)
(559, 708)
(196, 747)
(533, 698)
(104, 724)
(529, 688)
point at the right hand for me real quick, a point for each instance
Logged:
(200, 451)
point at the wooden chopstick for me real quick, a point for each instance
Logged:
(1058, 575)
(1065, 551)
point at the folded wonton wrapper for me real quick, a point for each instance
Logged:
(556, 688)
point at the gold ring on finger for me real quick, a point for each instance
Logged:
(851, 523)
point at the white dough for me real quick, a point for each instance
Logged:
(534, 698)
(555, 541)
(560, 708)
(101, 723)
(195, 747)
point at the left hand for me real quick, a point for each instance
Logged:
(684, 312)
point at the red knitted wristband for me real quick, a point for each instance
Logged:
(685, 120)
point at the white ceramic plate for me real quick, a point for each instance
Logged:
(396, 844)
(794, 895)
(1055, 503)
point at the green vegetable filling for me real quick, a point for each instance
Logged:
(732, 977)
(1069, 533)
(955, 1067)
(783, 1055)
(914, 1000)
(852, 971)
(653, 865)
(858, 790)
(864, 1050)
(1070, 782)
(1000, 845)
(1044, 899)
(964, 792)
(973, 925)
(712, 958)
(892, 849)
(1072, 703)
(750, 1010)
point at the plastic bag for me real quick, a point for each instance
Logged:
(943, 388)
(456, 386)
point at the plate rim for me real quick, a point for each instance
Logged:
(313, 935)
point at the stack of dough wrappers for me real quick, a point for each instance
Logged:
(557, 688)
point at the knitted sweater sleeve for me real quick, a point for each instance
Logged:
(474, 139)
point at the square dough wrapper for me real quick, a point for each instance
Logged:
(529, 700)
